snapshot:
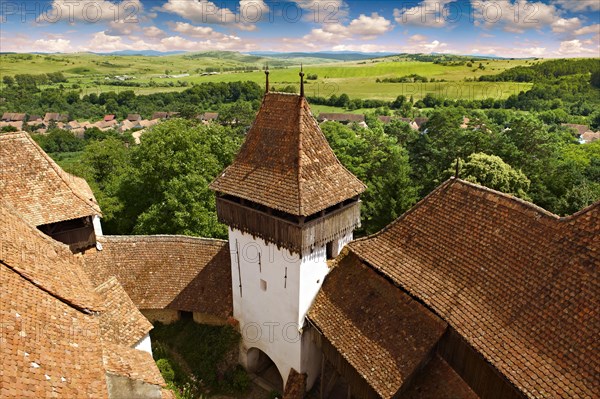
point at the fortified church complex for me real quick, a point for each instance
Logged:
(470, 294)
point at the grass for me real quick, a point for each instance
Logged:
(195, 353)
(355, 78)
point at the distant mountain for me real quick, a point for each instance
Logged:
(330, 55)
(147, 53)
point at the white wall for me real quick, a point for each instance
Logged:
(268, 319)
(144, 344)
(97, 225)
(272, 319)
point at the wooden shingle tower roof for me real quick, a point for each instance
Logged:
(286, 163)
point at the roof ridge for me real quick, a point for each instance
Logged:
(159, 237)
(299, 169)
(527, 204)
(39, 285)
(453, 180)
(408, 212)
(108, 281)
(61, 174)
(580, 212)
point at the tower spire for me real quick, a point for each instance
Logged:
(301, 81)
(267, 78)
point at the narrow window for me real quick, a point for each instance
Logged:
(329, 250)
(263, 285)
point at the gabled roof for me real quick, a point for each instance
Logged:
(439, 381)
(383, 333)
(518, 283)
(286, 162)
(36, 187)
(44, 262)
(121, 322)
(49, 341)
(167, 272)
(13, 116)
(133, 117)
(340, 117)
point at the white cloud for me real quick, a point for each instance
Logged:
(365, 48)
(362, 28)
(199, 32)
(245, 17)
(514, 17)
(417, 38)
(563, 25)
(318, 11)
(154, 32)
(101, 42)
(431, 13)
(52, 45)
(575, 48)
(579, 5)
(369, 26)
(586, 30)
(435, 45)
(95, 10)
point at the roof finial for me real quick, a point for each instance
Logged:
(301, 81)
(456, 173)
(267, 78)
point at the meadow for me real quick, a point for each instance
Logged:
(88, 72)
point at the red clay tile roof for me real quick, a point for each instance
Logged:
(47, 347)
(439, 381)
(286, 162)
(132, 363)
(381, 331)
(332, 116)
(121, 322)
(174, 272)
(295, 387)
(518, 283)
(36, 187)
(51, 345)
(45, 262)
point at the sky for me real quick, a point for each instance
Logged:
(509, 28)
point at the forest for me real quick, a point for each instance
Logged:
(517, 146)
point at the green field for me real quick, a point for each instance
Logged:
(355, 78)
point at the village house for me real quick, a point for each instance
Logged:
(13, 117)
(342, 118)
(472, 293)
(54, 117)
(134, 117)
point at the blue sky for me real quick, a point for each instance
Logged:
(511, 28)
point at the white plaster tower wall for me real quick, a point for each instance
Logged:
(266, 305)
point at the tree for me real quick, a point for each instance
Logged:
(104, 165)
(240, 113)
(492, 172)
(8, 80)
(58, 140)
(595, 121)
(595, 79)
(167, 190)
(442, 141)
(382, 164)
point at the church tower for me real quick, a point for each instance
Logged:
(290, 206)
